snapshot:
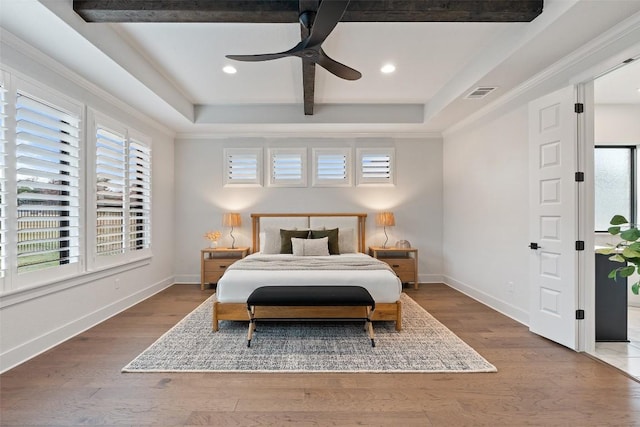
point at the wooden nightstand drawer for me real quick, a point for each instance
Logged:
(217, 265)
(214, 262)
(403, 261)
(401, 264)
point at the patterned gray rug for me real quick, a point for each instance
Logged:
(423, 345)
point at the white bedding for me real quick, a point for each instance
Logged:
(236, 285)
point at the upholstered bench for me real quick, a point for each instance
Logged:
(310, 296)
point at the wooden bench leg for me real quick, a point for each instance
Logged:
(252, 324)
(370, 325)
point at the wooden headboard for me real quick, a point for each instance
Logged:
(309, 220)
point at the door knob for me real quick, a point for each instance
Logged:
(534, 246)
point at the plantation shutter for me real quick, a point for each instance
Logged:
(47, 172)
(110, 191)
(332, 167)
(3, 178)
(375, 166)
(139, 195)
(288, 167)
(242, 166)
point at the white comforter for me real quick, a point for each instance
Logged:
(237, 284)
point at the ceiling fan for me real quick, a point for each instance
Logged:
(320, 24)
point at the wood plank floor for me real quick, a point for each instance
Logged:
(537, 383)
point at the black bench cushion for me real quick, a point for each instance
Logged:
(311, 296)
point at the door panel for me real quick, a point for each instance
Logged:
(553, 222)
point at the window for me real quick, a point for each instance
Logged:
(68, 198)
(331, 167)
(242, 166)
(614, 184)
(110, 190)
(376, 166)
(47, 184)
(122, 191)
(288, 167)
(139, 195)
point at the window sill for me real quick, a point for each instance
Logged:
(21, 295)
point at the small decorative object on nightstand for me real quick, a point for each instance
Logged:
(404, 261)
(214, 262)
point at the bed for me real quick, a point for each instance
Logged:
(266, 266)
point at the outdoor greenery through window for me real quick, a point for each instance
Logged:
(614, 184)
(123, 192)
(47, 185)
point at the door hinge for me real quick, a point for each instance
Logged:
(578, 107)
(580, 314)
(579, 176)
(579, 245)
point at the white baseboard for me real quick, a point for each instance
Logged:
(36, 346)
(500, 306)
(187, 278)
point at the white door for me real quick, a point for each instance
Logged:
(553, 222)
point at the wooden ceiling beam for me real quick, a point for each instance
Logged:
(285, 11)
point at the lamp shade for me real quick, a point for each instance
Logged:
(385, 219)
(231, 219)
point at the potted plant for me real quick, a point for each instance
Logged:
(626, 252)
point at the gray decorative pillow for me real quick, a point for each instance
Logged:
(310, 247)
(285, 239)
(334, 245)
(346, 241)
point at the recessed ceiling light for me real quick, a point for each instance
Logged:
(388, 68)
(229, 69)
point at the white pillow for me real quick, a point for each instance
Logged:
(346, 241)
(310, 247)
(270, 241)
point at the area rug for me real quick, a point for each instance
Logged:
(423, 345)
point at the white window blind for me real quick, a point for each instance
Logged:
(288, 167)
(243, 166)
(332, 167)
(47, 178)
(376, 166)
(110, 191)
(3, 178)
(139, 195)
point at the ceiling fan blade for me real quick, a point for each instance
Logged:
(256, 58)
(267, 56)
(337, 68)
(329, 14)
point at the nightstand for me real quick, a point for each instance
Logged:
(404, 261)
(214, 262)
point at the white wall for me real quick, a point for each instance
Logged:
(486, 201)
(416, 199)
(35, 320)
(617, 124)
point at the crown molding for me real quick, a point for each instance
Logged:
(51, 64)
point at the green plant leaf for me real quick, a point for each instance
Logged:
(605, 251)
(630, 253)
(614, 230)
(635, 246)
(613, 274)
(627, 271)
(618, 220)
(617, 258)
(635, 288)
(630, 235)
